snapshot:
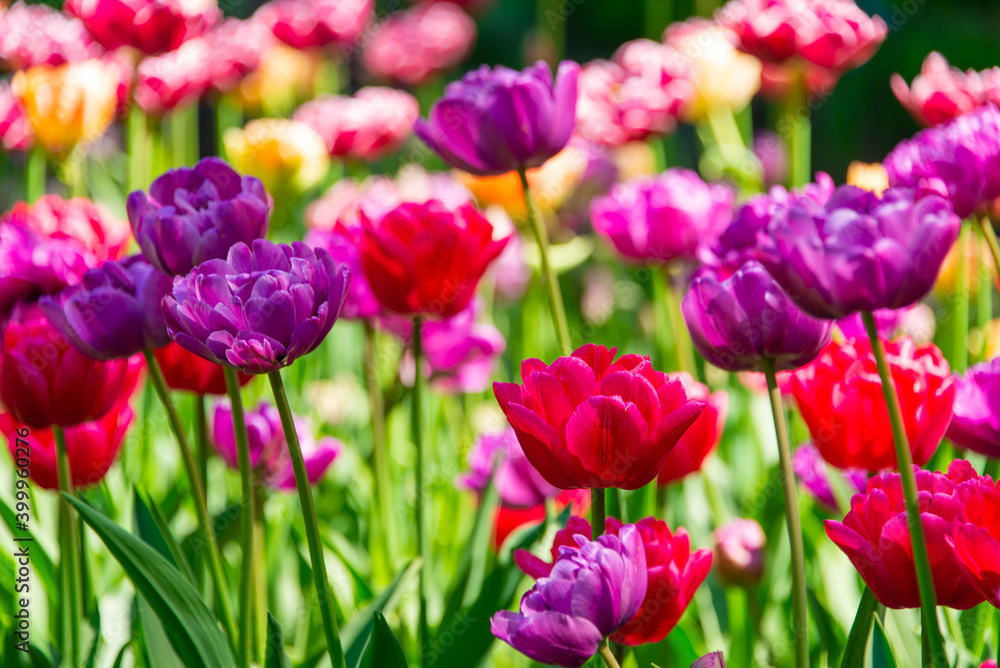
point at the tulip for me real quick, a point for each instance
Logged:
(151, 26)
(69, 103)
(639, 93)
(91, 447)
(976, 423)
(237, 49)
(77, 219)
(713, 660)
(939, 93)
(35, 266)
(959, 160)
(45, 381)
(989, 663)
(740, 551)
(701, 439)
(509, 519)
(868, 176)
(814, 474)
(975, 541)
(15, 128)
(342, 245)
(287, 156)
(373, 123)
(189, 372)
(590, 593)
(859, 252)
(305, 24)
(175, 79)
(673, 574)
(191, 215)
(413, 46)
(498, 120)
(723, 78)
(498, 457)
(772, 153)
(426, 259)
(585, 422)
(268, 448)
(261, 308)
(843, 383)
(663, 218)
(887, 321)
(40, 35)
(284, 76)
(875, 536)
(737, 322)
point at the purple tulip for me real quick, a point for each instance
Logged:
(738, 321)
(813, 472)
(713, 660)
(260, 309)
(664, 217)
(517, 482)
(590, 593)
(976, 421)
(498, 120)
(196, 214)
(958, 160)
(772, 152)
(859, 252)
(268, 448)
(342, 244)
(115, 312)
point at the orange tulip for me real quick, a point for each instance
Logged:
(868, 176)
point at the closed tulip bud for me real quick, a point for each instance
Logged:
(288, 156)
(740, 551)
(713, 660)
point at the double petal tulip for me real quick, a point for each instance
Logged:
(77, 220)
(740, 551)
(740, 320)
(91, 447)
(814, 474)
(426, 259)
(68, 104)
(191, 215)
(587, 421)
(305, 24)
(37, 34)
(843, 383)
(287, 156)
(976, 423)
(589, 594)
(412, 46)
(191, 373)
(261, 308)
(175, 79)
(975, 540)
(662, 218)
(702, 437)
(151, 26)
(268, 448)
(939, 93)
(875, 536)
(237, 49)
(498, 120)
(859, 252)
(114, 312)
(372, 123)
(959, 160)
(45, 381)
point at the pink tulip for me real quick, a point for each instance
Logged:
(305, 24)
(175, 79)
(151, 26)
(40, 35)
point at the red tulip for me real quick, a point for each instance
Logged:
(426, 259)
(45, 381)
(876, 538)
(585, 422)
(841, 400)
(186, 371)
(975, 540)
(674, 574)
(91, 446)
(509, 519)
(701, 439)
(151, 26)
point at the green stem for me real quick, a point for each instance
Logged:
(157, 149)
(227, 115)
(548, 272)
(73, 174)
(795, 127)
(991, 240)
(657, 17)
(247, 570)
(197, 492)
(70, 539)
(552, 22)
(984, 292)
(324, 595)
(904, 460)
(420, 509)
(201, 440)
(260, 576)
(799, 596)
(34, 174)
(380, 454)
(607, 655)
(597, 512)
(682, 340)
(138, 145)
(960, 306)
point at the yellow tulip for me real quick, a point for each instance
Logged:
(68, 104)
(283, 79)
(288, 156)
(868, 176)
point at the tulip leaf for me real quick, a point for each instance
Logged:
(857, 639)
(355, 633)
(41, 564)
(564, 256)
(831, 638)
(383, 649)
(159, 652)
(275, 654)
(882, 654)
(187, 621)
(151, 526)
(468, 580)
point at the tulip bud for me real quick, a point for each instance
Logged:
(713, 660)
(739, 551)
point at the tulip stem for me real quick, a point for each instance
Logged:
(419, 507)
(380, 455)
(960, 305)
(991, 240)
(682, 340)
(799, 596)
(904, 460)
(796, 129)
(247, 570)
(608, 655)
(597, 512)
(34, 175)
(197, 492)
(324, 595)
(548, 271)
(201, 439)
(70, 548)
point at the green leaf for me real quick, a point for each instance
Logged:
(159, 652)
(830, 636)
(41, 564)
(193, 632)
(275, 655)
(857, 639)
(355, 633)
(152, 527)
(463, 591)
(383, 649)
(882, 654)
